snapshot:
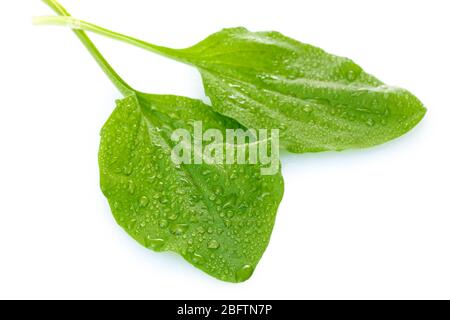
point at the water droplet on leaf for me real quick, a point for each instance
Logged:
(244, 273)
(131, 187)
(197, 259)
(213, 244)
(143, 202)
(307, 108)
(163, 224)
(370, 122)
(178, 229)
(155, 244)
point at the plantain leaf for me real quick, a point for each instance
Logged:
(218, 217)
(319, 101)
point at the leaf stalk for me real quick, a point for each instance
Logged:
(120, 84)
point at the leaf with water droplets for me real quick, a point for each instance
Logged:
(220, 223)
(319, 101)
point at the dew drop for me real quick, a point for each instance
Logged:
(351, 71)
(172, 216)
(244, 273)
(128, 170)
(155, 244)
(351, 75)
(274, 77)
(307, 108)
(178, 229)
(143, 202)
(163, 224)
(201, 230)
(263, 76)
(197, 259)
(181, 191)
(213, 244)
(131, 187)
(218, 190)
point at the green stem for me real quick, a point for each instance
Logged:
(120, 84)
(57, 7)
(87, 26)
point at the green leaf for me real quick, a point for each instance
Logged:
(219, 217)
(319, 101)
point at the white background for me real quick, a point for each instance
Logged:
(359, 224)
